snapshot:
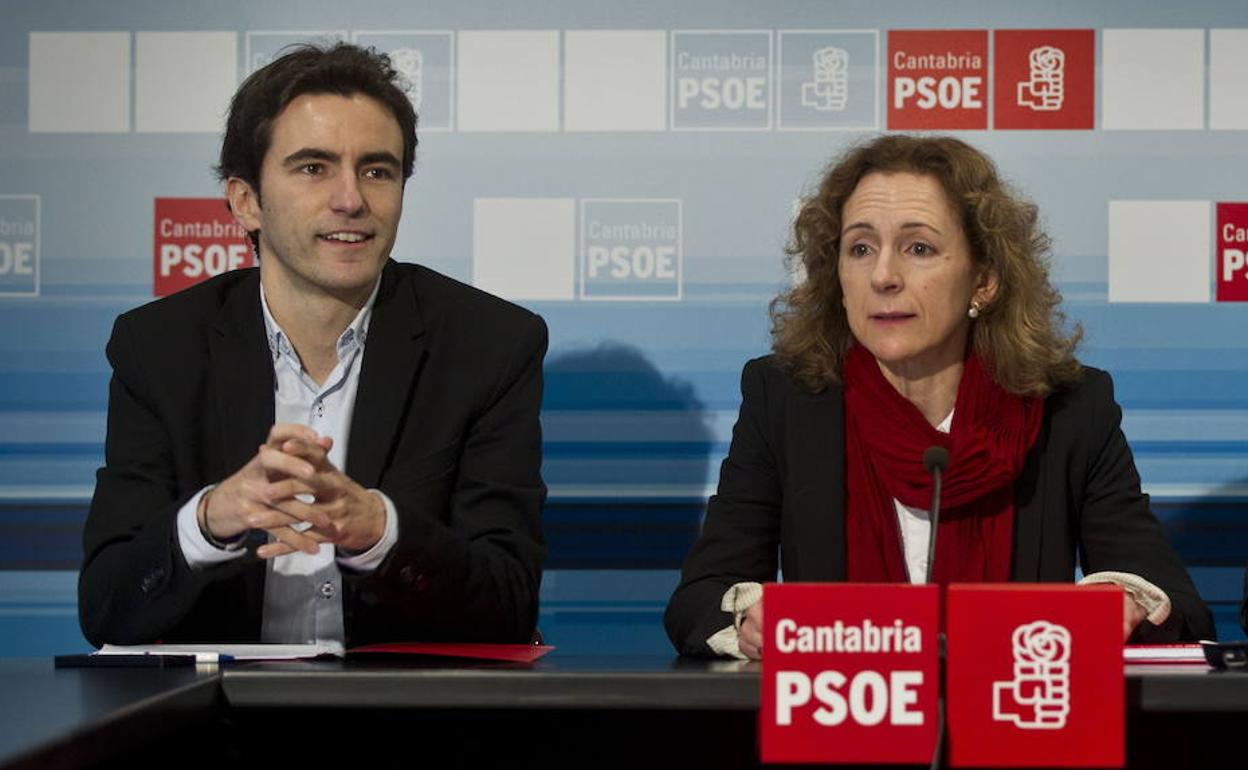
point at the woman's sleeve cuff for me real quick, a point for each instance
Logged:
(1154, 600)
(737, 599)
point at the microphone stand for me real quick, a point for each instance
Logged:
(935, 459)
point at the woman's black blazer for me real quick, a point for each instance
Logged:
(781, 503)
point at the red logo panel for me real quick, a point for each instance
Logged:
(849, 673)
(1231, 262)
(1044, 78)
(938, 79)
(195, 239)
(1035, 676)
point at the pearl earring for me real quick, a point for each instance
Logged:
(974, 311)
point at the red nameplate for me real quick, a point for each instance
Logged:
(510, 653)
(1035, 676)
(1230, 264)
(1044, 78)
(194, 240)
(937, 79)
(849, 673)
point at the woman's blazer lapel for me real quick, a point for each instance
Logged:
(813, 523)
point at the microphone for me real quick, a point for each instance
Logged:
(935, 460)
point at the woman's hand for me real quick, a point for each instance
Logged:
(1132, 615)
(750, 635)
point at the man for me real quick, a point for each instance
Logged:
(333, 447)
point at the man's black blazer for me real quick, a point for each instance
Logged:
(445, 423)
(782, 493)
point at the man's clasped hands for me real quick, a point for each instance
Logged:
(291, 490)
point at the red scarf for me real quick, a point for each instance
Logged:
(885, 436)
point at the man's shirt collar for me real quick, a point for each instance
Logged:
(351, 339)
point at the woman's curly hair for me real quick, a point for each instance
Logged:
(1019, 334)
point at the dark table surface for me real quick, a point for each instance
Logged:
(556, 681)
(657, 682)
(44, 709)
(63, 715)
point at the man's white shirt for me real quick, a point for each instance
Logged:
(303, 592)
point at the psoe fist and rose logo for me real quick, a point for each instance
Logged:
(1037, 697)
(1034, 676)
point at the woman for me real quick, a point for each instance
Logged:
(926, 318)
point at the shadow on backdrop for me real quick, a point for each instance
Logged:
(627, 455)
(1211, 536)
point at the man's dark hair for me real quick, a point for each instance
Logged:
(342, 69)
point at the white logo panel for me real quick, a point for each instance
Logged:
(721, 80)
(524, 248)
(263, 47)
(827, 80)
(425, 62)
(19, 245)
(631, 249)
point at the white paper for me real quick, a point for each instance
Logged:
(212, 653)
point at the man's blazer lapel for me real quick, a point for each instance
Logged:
(394, 351)
(817, 466)
(241, 368)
